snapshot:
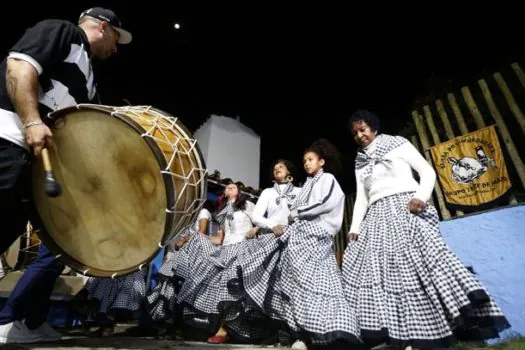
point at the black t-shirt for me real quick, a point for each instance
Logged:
(60, 52)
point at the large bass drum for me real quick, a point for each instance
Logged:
(131, 178)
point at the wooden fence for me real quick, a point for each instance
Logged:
(470, 109)
(341, 238)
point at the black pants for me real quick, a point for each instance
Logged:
(15, 192)
(30, 299)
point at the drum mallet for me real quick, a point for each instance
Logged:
(51, 186)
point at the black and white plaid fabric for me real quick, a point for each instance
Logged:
(286, 193)
(295, 278)
(261, 271)
(212, 294)
(383, 145)
(407, 287)
(302, 197)
(124, 293)
(261, 268)
(313, 302)
(161, 302)
(226, 213)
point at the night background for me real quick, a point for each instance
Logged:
(293, 72)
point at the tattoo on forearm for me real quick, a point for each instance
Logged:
(12, 85)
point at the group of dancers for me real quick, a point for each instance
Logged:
(266, 272)
(270, 268)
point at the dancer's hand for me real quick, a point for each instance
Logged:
(252, 232)
(278, 230)
(416, 206)
(181, 242)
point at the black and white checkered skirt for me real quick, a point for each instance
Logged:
(313, 302)
(260, 271)
(408, 288)
(212, 293)
(161, 302)
(120, 293)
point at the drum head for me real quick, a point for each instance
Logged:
(111, 214)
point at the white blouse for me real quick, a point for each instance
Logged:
(393, 179)
(276, 214)
(241, 224)
(203, 214)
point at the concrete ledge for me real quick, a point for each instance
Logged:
(65, 287)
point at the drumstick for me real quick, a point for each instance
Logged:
(51, 186)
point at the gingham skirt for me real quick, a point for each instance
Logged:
(123, 293)
(161, 302)
(260, 271)
(408, 288)
(212, 294)
(313, 301)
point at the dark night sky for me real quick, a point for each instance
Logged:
(277, 66)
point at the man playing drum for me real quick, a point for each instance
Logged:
(48, 69)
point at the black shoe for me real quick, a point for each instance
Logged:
(285, 338)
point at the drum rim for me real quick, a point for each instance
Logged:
(73, 263)
(166, 240)
(197, 148)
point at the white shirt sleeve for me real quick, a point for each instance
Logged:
(28, 59)
(260, 209)
(329, 200)
(249, 209)
(360, 205)
(204, 214)
(427, 175)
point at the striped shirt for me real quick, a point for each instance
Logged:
(60, 53)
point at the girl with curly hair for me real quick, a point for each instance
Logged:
(303, 265)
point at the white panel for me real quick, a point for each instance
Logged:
(232, 148)
(202, 135)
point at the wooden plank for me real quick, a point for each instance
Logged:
(507, 139)
(509, 97)
(457, 113)
(418, 120)
(473, 108)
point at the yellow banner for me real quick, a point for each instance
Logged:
(471, 168)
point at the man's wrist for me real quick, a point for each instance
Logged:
(31, 124)
(31, 118)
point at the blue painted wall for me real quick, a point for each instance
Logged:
(493, 243)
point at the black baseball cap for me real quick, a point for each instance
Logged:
(109, 16)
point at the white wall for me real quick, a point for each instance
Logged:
(493, 243)
(203, 140)
(232, 148)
